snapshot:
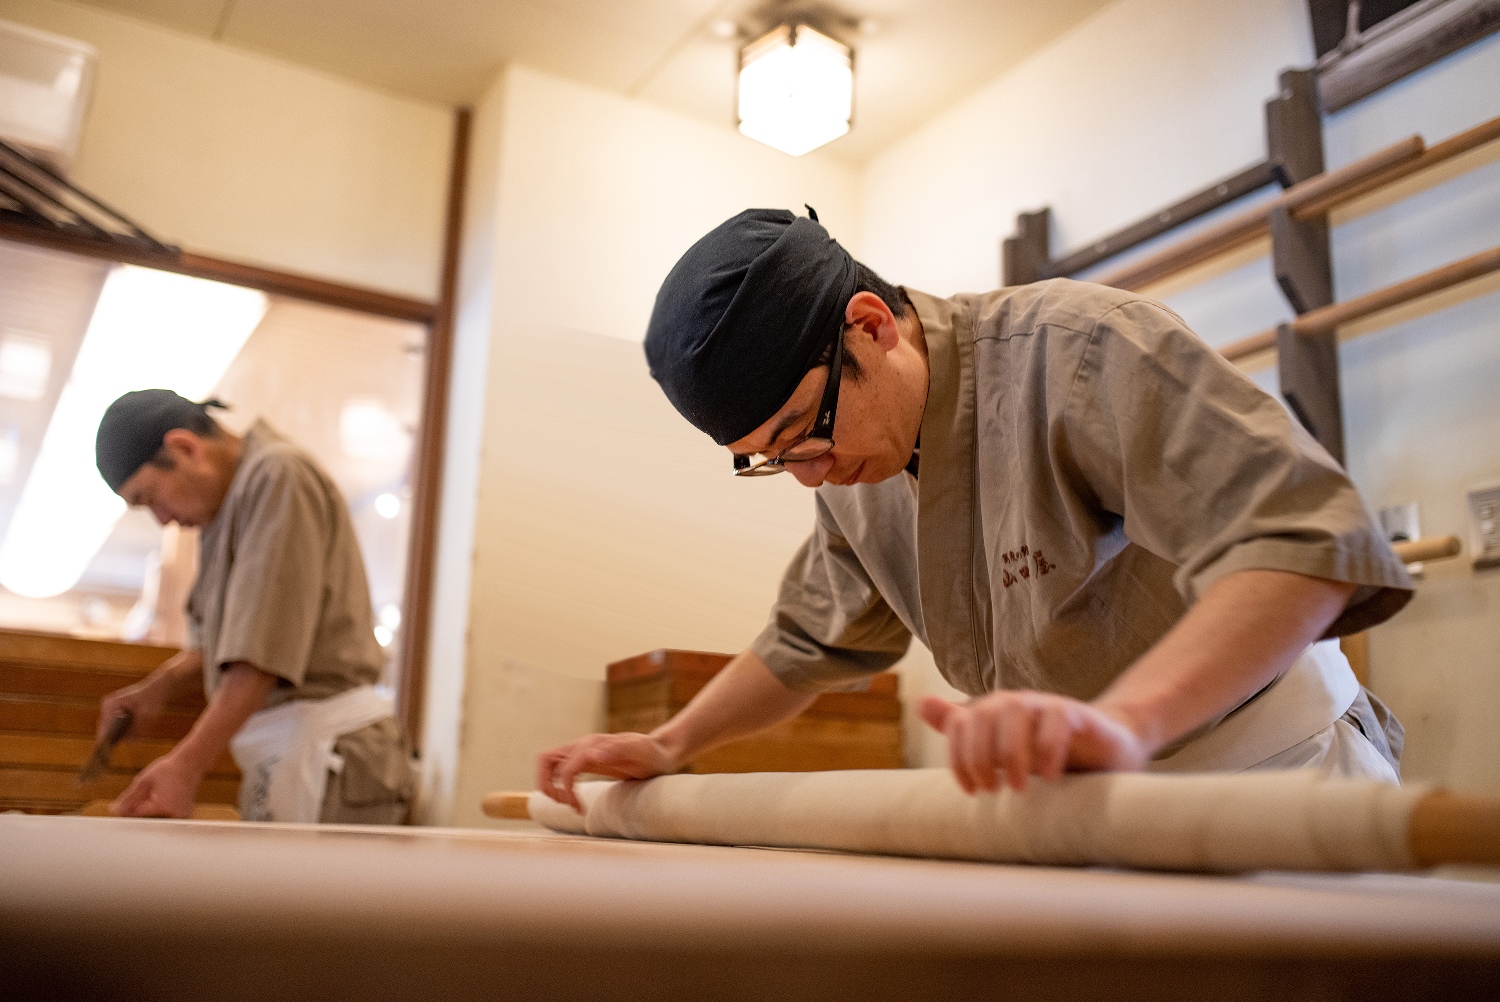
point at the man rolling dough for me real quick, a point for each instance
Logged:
(1124, 551)
(281, 633)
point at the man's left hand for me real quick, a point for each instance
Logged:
(164, 789)
(1019, 734)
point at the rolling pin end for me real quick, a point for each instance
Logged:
(507, 804)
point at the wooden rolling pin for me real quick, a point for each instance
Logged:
(201, 812)
(1445, 828)
(508, 805)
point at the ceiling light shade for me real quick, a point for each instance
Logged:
(149, 329)
(796, 89)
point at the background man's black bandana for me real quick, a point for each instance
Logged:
(743, 316)
(134, 426)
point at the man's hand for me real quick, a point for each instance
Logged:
(1019, 734)
(622, 756)
(743, 698)
(164, 789)
(145, 700)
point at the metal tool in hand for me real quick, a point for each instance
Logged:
(105, 745)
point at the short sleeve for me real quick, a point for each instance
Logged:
(1211, 473)
(830, 626)
(274, 595)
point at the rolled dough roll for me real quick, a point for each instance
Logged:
(1292, 820)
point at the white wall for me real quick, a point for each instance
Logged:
(249, 158)
(605, 525)
(1152, 99)
(1422, 402)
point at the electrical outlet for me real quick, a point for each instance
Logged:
(1401, 525)
(1484, 524)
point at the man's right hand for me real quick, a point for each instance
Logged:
(145, 700)
(621, 756)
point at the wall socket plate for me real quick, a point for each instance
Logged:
(1401, 524)
(1484, 524)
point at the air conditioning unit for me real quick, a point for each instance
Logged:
(45, 83)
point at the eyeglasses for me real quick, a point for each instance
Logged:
(819, 438)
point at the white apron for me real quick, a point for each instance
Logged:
(1308, 698)
(285, 753)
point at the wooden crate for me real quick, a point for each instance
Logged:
(50, 688)
(841, 730)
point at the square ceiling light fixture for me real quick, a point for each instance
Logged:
(796, 89)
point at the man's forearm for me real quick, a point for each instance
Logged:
(179, 674)
(743, 698)
(1243, 633)
(241, 691)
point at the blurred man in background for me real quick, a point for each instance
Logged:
(280, 626)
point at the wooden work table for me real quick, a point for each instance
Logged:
(130, 909)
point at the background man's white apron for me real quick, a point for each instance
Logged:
(285, 753)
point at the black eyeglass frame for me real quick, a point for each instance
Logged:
(820, 434)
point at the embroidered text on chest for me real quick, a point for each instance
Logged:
(1017, 565)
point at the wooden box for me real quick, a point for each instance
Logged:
(841, 730)
(50, 688)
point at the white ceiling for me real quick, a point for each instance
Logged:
(912, 57)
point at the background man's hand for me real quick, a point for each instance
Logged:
(621, 756)
(1017, 734)
(145, 700)
(164, 789)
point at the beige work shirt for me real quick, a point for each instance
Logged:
(1089, 467)
(281, 585)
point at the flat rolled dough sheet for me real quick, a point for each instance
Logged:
(1290, 820)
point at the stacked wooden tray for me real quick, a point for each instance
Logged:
(841, 730)
(50, 688)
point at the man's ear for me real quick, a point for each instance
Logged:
(181, 443)
(868, 312)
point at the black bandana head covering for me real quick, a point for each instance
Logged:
(744, 315)
(134, 426)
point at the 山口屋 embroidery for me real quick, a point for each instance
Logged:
(1023, 560)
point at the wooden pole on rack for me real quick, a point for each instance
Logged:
(1449, 148)
(1255, 222)
(1416, 551)
(1330, 318)
(1308, 200)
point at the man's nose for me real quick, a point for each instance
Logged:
(161, 515)
(811, 472)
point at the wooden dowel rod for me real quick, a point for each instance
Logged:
(1255, 222)
(1454, 828)
(1246, 346)
(507, 804)
(1328, 318)
(1436, 548)
(1449, 148)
